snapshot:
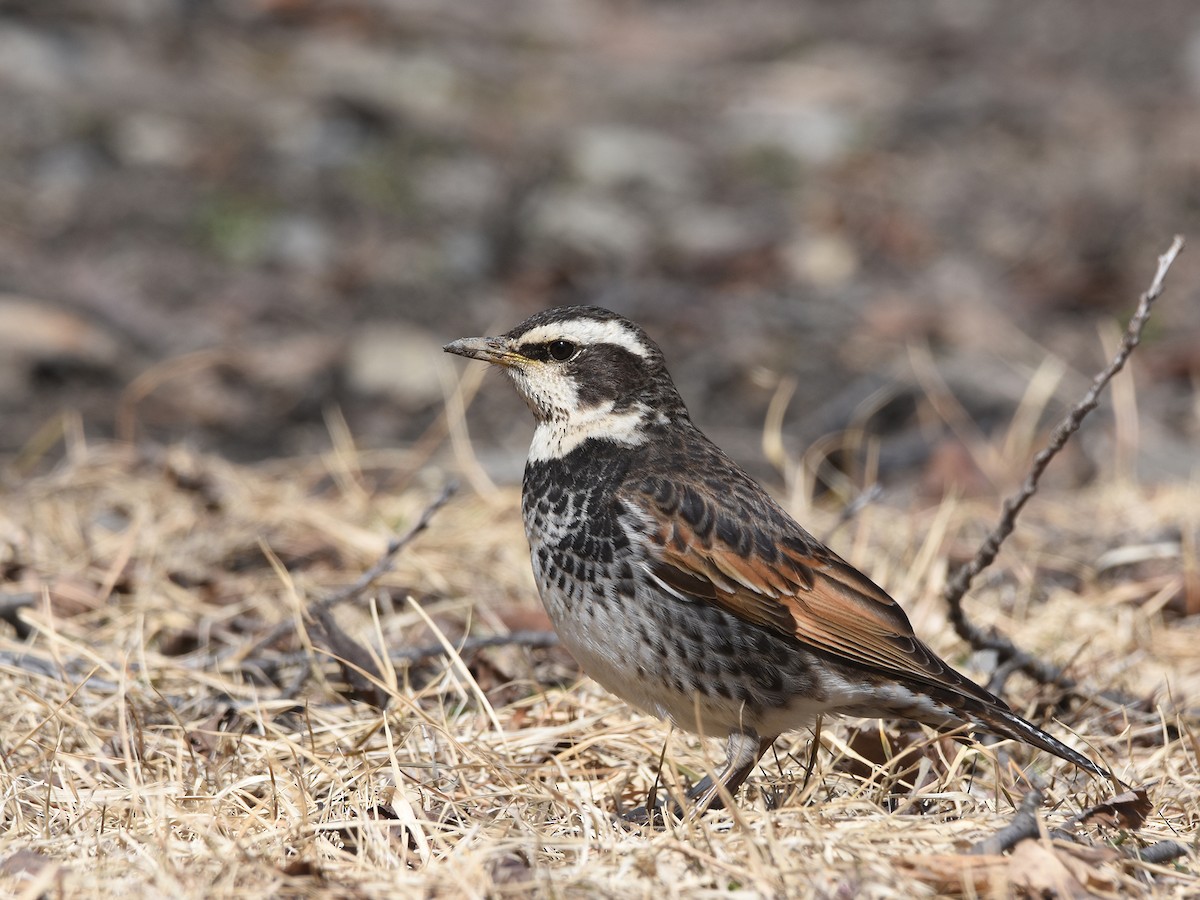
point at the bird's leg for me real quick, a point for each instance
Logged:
(743, 750)
(812, 753)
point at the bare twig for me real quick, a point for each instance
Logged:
(986, 554)
(382, 565)
(535, 639)
(269, 669)
(861, 501)
(1162, 852)
(10, 612)
(813, 750)
(1023, 825)
(357, 664)
(1126, 813)
(395, 545)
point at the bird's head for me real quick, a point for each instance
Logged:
(585, 372)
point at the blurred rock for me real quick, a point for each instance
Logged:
(401, 361)
(467, 253)
(590, 224)
(34, 333)
(613, 156)
(421, 85)
(291, 366)
(459, 186)
(61, 177)
(822, 260)
(32, 60)
(300, 242)
(151, 139)
(709, 232)
(816, 108)
(1190, 63)
(316, 136)
(820, 183)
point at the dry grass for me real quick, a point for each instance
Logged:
(150, 752)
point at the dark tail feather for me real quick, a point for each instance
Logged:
(958, 700)
(1003, 721)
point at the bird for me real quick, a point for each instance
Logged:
(677, 582)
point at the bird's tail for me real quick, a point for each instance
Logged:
(999, 719)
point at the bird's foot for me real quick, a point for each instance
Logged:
(655, 816)
(701, 798)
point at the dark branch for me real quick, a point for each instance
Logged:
(961, 580)
(535, 639)
(368, 578)
(1162, 852)
(1024, 825)
(268, 669)
(10, 612)
(395, 545)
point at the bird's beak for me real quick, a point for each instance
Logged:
(489, 349)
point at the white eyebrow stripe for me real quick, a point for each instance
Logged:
(588, 331)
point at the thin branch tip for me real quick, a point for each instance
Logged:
(382, 565)
(960, 581)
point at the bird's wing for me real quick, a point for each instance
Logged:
(738, 549)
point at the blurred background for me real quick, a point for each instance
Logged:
(230, 222)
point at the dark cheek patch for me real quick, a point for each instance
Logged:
(605, 373)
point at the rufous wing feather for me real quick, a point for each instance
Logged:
(765, 569)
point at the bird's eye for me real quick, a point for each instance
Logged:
(560, 350)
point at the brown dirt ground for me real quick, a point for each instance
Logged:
(155, 748)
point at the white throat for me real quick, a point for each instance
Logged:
(555, 438)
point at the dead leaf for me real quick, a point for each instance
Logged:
(1035, 867)
(958, 873)
(1126, 810)
(1083, 861)
(302, 868)
(24, 862)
